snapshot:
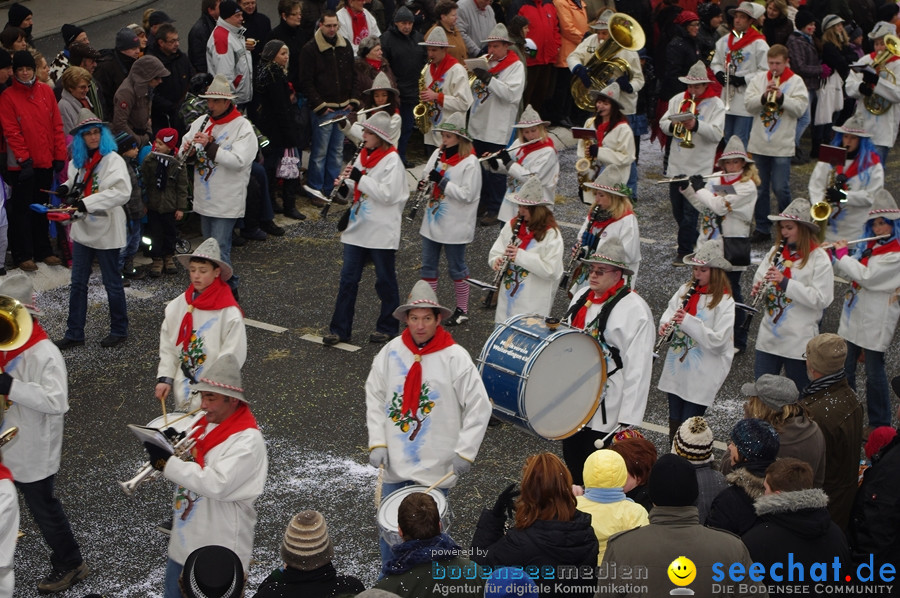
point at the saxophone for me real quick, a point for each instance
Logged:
(423, 110)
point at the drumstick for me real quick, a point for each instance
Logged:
(162, 401)
(601, 443)
(378, 483)
(178, 419)
(438, 483)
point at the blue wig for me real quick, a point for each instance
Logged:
(866, 155)
(79, 149)
(869, 232)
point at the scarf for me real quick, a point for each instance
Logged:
(5, 473)
(853, 170)
(605, 495)
(162, 174)
(415, 552)
(598, 226)
(438, 70)
(732, 181)
(593, 298)
(242, 419)
(448, 158)
(824, 382)
(217, 296)
(89, 172)
(735, 44)
(789, 256)
(360, 25)
(412, 387)
(375, 64)
(709, 93)
(525, 150)
(224, 119)
(368, 159)
(37, 335)
(786, 74)
(876, 248)
(872, 56)
(525, 235)
(691, 307)
(508, 60)
(605, 127)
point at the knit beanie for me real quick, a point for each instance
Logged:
(878, 439)
(23, 58)
(17, 14)
(271, 49)
(509, 582)
(826, 353)
(126, 39)
(707, 11)
(169, 136)
(366, 45)
(803, 18)
(404, 15)
(673, 482)
(755, 439)
(228, 8)
(306, 544)
(125, 141)
(5, 60)
(69, 33)
(694, 440)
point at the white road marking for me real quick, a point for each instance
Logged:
(318, 339)
(264, 326)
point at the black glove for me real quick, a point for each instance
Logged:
(504, 157)
(493, 162)
(62, 191)
(840, 180)
(835, 194)
(58, 165)
(173, 435)
(582, 73)
(625, 84)
(506, 502)
(865, 89)
(27, 170)
(738, 81)
(870, 78)
(720, 77)
(5, 383)
(80, 205)
(697, 182)
(435, 176)
(592, 150)
(484, 75)
(158, 456)
(355, 174)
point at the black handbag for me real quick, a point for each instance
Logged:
(737, 250)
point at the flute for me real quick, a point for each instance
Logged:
(358, 113)
(855, 241)
(681, 179)
(511, 148)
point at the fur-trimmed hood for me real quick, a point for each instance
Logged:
(803, 512)
(787, 502)
(749, 483)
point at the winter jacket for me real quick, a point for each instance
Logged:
(32, 125)
(103, 226)
(543, 30)
(496, 105)
(544, 542)
(328, 79)
(710, 482)
(452, 219)
(775, 136)
(258, 26)
(69, 109)
(699, 159)
(133, 99)
(732, 510)
(870, 311)
(839, 59)
(226, 54)
(174, 196)
(413, 570)
(197, 39)
(752, 60)
(883, 127)
(366, 73)
(875, 519)
(406, 58)
(294, 38)
(682, 53)
(168, 95)
(839, 415)
(573, 24)
(324, 582)
(275, 117)
(674, 531)
(112, 68)
(777, 31)
(805, 59)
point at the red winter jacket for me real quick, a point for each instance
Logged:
(543, 29)
(32, 125)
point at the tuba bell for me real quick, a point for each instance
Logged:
(604, 66)
(15, 324)
(874, 103)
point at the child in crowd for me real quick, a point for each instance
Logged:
(134, 209)
(167, 190)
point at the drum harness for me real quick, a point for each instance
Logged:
(599, 324)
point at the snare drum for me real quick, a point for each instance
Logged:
(547, 380)
(390, 507)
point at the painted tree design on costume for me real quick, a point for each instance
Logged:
(770, 119)
(195, 354)
(513, 279)
(681, 343)
(776, 302)
(185, 494)
(710, 223)
(406, 421)
(850, 297)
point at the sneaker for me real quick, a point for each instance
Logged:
(165, 527)
(52, 260)
(254, 234)
(488, 220)
(28, 266)
(59, 581)
(67, 343)
(112, 340)
(330, 340)
(679, 259)
(380, 337)
(169, 265)
(760, 237)
(295, 214)
(272, 229)
(156, 268)
(458, 317)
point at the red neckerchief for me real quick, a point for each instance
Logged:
(709, 93)
(872, 56)
(877, 249)
(412, 387)
(438, 70)
(793, 256)
(600, 225)
(725, 181)
(242, 419)
(89, 172)
(444, 164)
(525, 234)
(508, 60)
(786, 74)
(5, 473)
(225, 118)
(594, 299)
(360, 25)
(368, 159)
(527, 149)
(37, 335)
(375, 64)
(854, 166)
(605, 127)
(734, 44)
(691, 307)
(218, 295)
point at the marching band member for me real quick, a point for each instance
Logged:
(536, 159)
(610, 216)
(699, 355)
(739, 56)
(849, 187)
(34, 386)
(455, 402)
(871, 309)
(216, 489)
(454, 176)
(694, 153)
(446, 84)
(729, 215)
(377, 184)
(497, 94)
(529, 252)
(200, 325)
(869, 87)
(381, 92)
(797, 285)
(776, 98)
(621, 320)
(9, 521)
(614, 147)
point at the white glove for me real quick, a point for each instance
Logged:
(378, 456)
(460, 466)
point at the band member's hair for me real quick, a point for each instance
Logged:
(718, 286)
(618, 204)
(542, 128)
(541, 221)
(201, 260)
(546, 491)
(805, 240)
(615, 113)
(393, 101)
(789, 474)
(754, 408)
(640, 456)
(418, 517)
(777, 51)
(465, 146)
(751, 173)
(327, 13)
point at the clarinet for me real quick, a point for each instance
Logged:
(597, 214)
(189, 153)
(504, 266)
(776, 262)
(422, 189)
(341, 184)
(669, 332)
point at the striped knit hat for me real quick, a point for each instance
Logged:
(694, 441)
(306, 544)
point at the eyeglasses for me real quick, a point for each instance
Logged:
(602, 271)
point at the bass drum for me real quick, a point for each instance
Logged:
(390, 507)
(545, 378)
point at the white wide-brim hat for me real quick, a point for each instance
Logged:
(610, 252)
(86, 119)
(208, 250)
(883, 206)
(710, 254)
(20, 287)
(855, 125)
(530, 194)
(530, 118)
(219, 89)
(607, 181)
(222, 376)
(696, 75)
(735, 149)
(437, 38)
(380, 124)
(456, 124)
(797, 211)
(382, 82)
(422, 296)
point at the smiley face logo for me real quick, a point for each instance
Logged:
(682, 571)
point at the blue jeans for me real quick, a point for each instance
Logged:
(132, 242)
(325, 153)
(633, 181)
(685, 217)
(795, 369)
(82, 261)
(408, 123)
(258, 171)
(221, 230)
(774, 171)
(456, 259)
(50, 517)
(173, 573)
(804, 119)
(878, 396)
(882, 151)
(681, 410)
(355, 259)
(740, 126)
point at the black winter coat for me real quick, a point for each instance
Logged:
(777, 30)
(197, 38)
(732, 510)
(112, 68)
(805, 59)
(406, 58)
(549, 543)
(328, 79)
(681, 54)
(169, 94)
(323, 582)
(275, 116)
(875, 519)
(294, 38)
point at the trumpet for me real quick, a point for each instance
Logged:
(358, 113)
(181, 450)
(8, 435)
(679, 131)
(681, 179)
(770, 108)
(856, 241)
(511, 148)
(729, 88)
(754, 307)
(669, 331)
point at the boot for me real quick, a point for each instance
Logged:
(169, 262)
(289, 200)
(156, 268)
(130, 272)
(674, 424)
